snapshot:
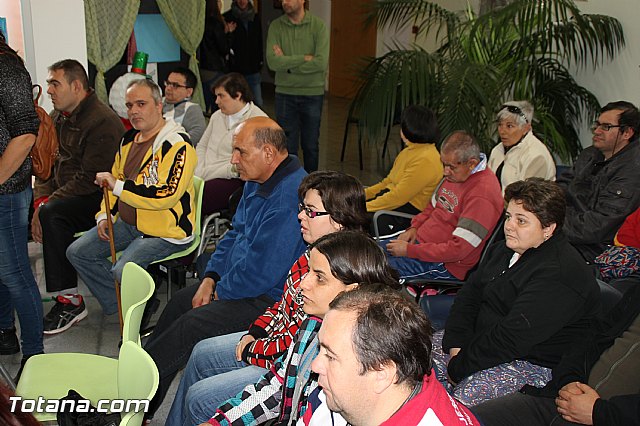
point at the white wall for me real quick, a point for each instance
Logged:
(53, 30)
(618, 79)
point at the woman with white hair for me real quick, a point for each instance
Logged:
(520, 154)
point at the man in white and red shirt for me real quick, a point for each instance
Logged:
(371, 376)
(446, 239)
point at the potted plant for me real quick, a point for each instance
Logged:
(524, 50)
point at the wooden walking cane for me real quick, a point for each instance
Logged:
(105, 191)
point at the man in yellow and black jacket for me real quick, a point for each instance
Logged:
(152, 197)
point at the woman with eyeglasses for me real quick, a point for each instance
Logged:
(235, 102)
(220, 367)
(519, 153)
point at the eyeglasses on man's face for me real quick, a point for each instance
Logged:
(174, 85)
(514, 110)
(310, 213)
(603, 126)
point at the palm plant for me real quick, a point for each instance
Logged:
(524, 50)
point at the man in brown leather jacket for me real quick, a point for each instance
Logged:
(88, 133)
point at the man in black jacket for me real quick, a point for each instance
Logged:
(601, 188)
(244, 31)
(597, 383)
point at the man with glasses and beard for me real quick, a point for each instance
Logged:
(602, 186)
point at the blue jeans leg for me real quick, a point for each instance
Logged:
(18, 288)
(410, 268)
(287, 118)
(299, 116)
(89, 255)
(210, 357)
(310, 108)
(254, 81)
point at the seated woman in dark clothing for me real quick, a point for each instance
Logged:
(530, 299)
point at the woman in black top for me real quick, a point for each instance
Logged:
(531, 298)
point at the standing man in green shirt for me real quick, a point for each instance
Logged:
(298, 52)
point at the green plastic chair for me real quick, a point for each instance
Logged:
(133, 376)
(172, 261)
(94, 376)
(137, 288)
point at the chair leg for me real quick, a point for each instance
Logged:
(344, 140)
(386, 140)
(169, 272)
(360, 147)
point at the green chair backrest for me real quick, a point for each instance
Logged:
(198, 185)
(137, 289)
(138, 379)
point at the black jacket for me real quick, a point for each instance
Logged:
(214, 47)
(600, 195)
(246, 55)
(533, 311)
(576, 365)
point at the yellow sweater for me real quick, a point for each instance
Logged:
(412, 179)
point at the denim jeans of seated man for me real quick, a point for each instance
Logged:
(18, 288)
(410, 268)
(91, 258)
(211, 377)
(300, 116)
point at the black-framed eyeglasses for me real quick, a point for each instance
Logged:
(603, 126)
(514, 110)
(174, 85)
(310, 213)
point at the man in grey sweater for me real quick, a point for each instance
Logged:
(177, 104)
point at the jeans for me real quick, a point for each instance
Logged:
(60, 220)
(410, 268)
(18, 288)
(90, 256)
(180, 327)
(212, 376)
(254, 81)
(300, 116)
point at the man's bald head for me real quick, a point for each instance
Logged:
(264, 131)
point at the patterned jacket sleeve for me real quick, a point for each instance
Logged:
(274, 330)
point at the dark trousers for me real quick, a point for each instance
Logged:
(60, 220)
(180, 327)
(299, 116)
(519, 409)
(216, 194)
(388, 225)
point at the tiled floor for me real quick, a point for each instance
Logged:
(99, 334)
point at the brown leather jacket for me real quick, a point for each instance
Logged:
(89, 138)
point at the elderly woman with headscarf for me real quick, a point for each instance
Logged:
(519, 154)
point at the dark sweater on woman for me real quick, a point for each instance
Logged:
(17, 117)
(533, 311)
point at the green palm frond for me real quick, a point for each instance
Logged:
(520, 51)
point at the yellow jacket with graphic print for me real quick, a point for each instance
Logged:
(162, 193)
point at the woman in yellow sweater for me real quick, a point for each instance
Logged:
(415, 174)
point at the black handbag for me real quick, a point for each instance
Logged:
(87, 417)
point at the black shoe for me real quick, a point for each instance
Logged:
(22, 363)
(64, 314)
(9, 341)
